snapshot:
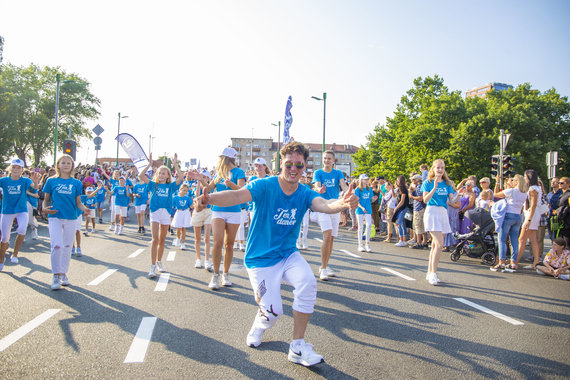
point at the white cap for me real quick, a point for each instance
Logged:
(18, 162)
(260, 161)
(90, 189)
(229, 152)
(363, 176)
(206, 173)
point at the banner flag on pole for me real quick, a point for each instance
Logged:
(198, 165)
(134, 150)
(288, 121)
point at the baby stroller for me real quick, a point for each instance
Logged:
(480, 242)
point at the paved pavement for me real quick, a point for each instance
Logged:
(379, 319)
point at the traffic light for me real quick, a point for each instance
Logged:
(508, 166)
(69, 148)
(495, 163)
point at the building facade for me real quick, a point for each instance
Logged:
(483, 90)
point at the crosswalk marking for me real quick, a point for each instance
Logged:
(12, 338)
(171, 256)
(136, 253)
(489, 311)
(162, 282)
(319, 240)
(399, 274)
(138, 349)
(102, 277)
(350, 253)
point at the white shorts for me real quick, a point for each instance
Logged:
(436, 219)
(91, 213)
(329, 222)
(228, 217)
(121, 211)
(202, 217)
(8, 219)
(139, 209)
(78, 222)
(182, 219)
(313, 216)
(160, 216)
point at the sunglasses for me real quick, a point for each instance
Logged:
(298, 165)
(561, 183)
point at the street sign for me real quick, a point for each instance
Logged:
(97, 147)
(98, 130)
(97, 140)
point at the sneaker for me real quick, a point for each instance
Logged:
(139, 231)
(400, 244)
(55, 282)
(305, 245)
(367, 248)
(242, 247)
(304, 354)
(86, 233)
(542, 273)
(182, 247)
(254, 337)
(411, 242)
(64, 280)
(143, 230)
(360, 248)
(34, 234)
(117, 230)
(159, 267)
(214, 282)
(175, 242)
(330, 272)
(78, 252)
(198, 263)
(432, 279)
(111, 227)
(565, 277)
(208, 266)
(417, 246)
(100, 221)
(72, 251)
(120, 230)
(323, 274)
(152, 273)
(14, 260)
(226, 279)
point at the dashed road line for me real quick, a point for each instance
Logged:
(162, 282)
(171, 256)
(399, 274)
(489, 311)
(12, 338)
(138, 349)
(102, 277)
(350, 253)
(136, 253)
(319, 240)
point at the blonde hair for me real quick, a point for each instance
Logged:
(360, 184)
(487, 193)
(445, 177)
(57, 170)
(168, 179)
(223, 169)
(521, 183)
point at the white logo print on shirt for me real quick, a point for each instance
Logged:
(64, 189)
(329, 182)
(14, 190)
(285, 217)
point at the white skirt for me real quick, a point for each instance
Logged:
(436, 219)
(182, 219)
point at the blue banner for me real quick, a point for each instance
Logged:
(288, 121)
(134, 150)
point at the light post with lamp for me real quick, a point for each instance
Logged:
(118, 133)
(324, 99)
(58, 81)
(278, 142)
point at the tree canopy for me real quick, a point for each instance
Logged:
(432, 122)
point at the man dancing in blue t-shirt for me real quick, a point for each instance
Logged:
(271, 254)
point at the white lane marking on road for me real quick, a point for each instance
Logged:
(319, 240)
(102, 277)
(137, 352)
(171, 256)
(162, 282)
(489, 311)
(136, 253)
(19, 333)
(350, 253)
(399, 274)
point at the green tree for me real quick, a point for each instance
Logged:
(28, 108)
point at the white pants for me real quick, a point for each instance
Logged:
(112, 207)
(241, 229)
(364, 218)
(304, 227)
(329, 222)
(266, 284)
(61, 234)
(6, 221)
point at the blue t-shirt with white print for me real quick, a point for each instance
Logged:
(15, 199)
(439, 198)
(64, 193)
(161, 195)
(330, 180)
(236, 174)
(182, 203)
(90, 203)
(142, 190)
(276, 222)
(364, 199)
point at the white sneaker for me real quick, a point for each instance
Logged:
(254, 337)
(198, 263)
(78, 252)
(152, 273)
(411, 242)
(367, 248)
(305, 245)
(72, 251)
(117, 230)
(541, 273)
(242, 247)
(14, 260)
(111, 227)
(226, 279)
(159, 267)
(432, 279)
(55, 282)
(330, 272)
(64, 280)
(214, 282)
(323, 274)
(175, 242)
(360, 248)
(34, 234)
(182, 247)
(208, 266)
(400, 244)
(304, 354)
(120, 230)
(565, 277)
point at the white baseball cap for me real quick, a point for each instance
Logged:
(229, 152)
(18, 162)
(206, 173)
(363, 176)
(90, 189)
(260, 161)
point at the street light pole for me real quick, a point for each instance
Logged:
(278, 143)
(118, 133)
(57, 78)
(324, 99)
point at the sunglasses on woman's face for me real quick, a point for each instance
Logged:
(298, 165)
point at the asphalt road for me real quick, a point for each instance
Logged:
(378, 319)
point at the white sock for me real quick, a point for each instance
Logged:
(296, 342)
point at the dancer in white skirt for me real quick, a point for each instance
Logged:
(364, 211)
(436, 222)
(182, 218)
(202, 218)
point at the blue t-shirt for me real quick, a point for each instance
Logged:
(365, 200)
(439, 198)
(161, 195)
(418, 205)
(182, 203)
(236, 174)
(140, 189)
(330, 180)
(121, 196)
(90, 203)
(64, 193)
(101, 195)
(32, 200)
(15, 199)
(276, 222)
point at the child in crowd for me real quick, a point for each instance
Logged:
(557, 261)
(182, 218)
(100, 199)
(364, 211)
(121, 193)
(140, 193)
(484, 200)
(89, 200)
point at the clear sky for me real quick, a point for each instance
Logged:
(195, 73)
